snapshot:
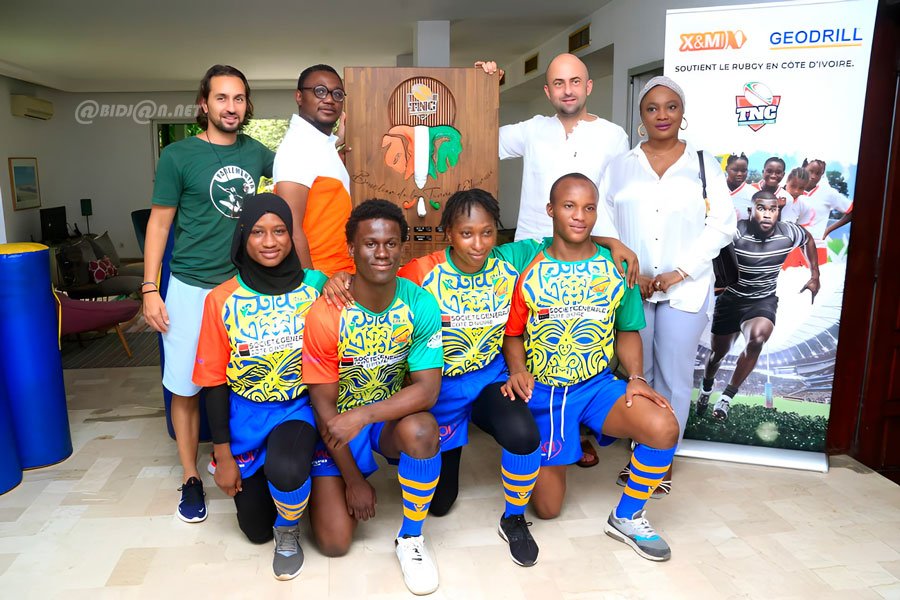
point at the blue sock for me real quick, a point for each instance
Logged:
(648, 467)
(290, 505)
(518, 472)
(418, 477)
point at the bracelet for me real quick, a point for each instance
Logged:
(143, 283)
(633, 377)
(682, 273)
(145, 292)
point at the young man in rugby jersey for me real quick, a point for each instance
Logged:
(354, 361)
(762, 244)
(571, 311)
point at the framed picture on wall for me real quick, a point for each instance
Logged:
(23, 180)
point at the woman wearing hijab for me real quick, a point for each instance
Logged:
(655, 204)
(249, 361)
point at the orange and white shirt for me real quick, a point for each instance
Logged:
(824, 199)
(308, 157)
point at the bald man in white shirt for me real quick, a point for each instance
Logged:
(572, 140)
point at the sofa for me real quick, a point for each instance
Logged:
(89, 267)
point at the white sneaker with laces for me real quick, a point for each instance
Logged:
(419, 571)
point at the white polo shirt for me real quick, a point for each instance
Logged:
(664, 221)
(549, 154)
(823, 198)
(308, 157)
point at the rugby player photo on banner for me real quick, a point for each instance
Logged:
(775, 92)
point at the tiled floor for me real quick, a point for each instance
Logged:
(101, 525)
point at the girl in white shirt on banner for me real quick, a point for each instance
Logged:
(655, 206)
(824, 199)
(736, 167)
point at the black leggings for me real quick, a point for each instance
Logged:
(510, 422)
(289, 452)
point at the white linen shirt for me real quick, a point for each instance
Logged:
(664, 221)
(549, 154)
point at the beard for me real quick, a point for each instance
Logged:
(218, 124)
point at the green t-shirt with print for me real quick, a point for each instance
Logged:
(208, 184)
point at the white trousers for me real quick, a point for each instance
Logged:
(670, 342)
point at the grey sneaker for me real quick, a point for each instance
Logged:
(720, 410)
(639, 534)
(703, 402)
(288, 561)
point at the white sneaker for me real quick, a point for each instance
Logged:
(419, 572)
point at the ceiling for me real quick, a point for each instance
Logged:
(104, 46)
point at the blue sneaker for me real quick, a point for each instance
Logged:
(192, 508)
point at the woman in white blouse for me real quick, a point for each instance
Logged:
(655, 206)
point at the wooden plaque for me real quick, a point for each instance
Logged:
(421, 134)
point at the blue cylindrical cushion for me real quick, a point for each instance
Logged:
(10, 468)
(31, 364)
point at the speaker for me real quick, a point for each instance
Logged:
(86, 208)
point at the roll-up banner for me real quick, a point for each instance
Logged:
(783, 80)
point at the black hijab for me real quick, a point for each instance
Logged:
(272, 281)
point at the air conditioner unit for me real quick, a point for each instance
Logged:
(29, 106)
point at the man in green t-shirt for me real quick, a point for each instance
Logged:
(201, 185)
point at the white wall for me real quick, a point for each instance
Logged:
(19, 137)
(109, 160)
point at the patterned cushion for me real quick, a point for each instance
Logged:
(102, 269)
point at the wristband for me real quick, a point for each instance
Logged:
(633, 377)
(682, 273)
(143, 283)
(145, 292)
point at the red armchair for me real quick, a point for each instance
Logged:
(80, 316)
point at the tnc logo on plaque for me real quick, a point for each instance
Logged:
(422, 141)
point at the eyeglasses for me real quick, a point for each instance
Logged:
(320, 92)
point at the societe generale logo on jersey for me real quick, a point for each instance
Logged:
(712, 40)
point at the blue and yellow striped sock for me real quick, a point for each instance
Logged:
(518, 473)
(648, 467)
(290, 505)
(418, 477)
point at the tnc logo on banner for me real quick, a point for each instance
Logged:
(757, 107)
(712, 40)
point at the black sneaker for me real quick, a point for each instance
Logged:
(703, 402)
(522, 547)
(192, 508)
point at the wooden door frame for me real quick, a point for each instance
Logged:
(851, 416)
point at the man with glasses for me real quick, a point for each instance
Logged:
(310, 175)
